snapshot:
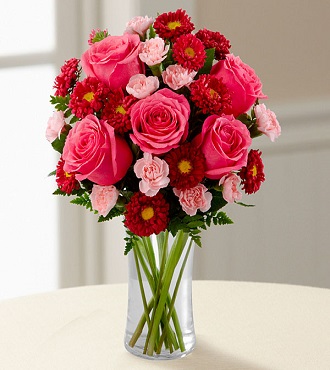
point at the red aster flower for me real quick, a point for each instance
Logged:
(189, 52)
(215, 40)
(66, 80)
(253, 174)
(210, 94)
(147, 215)
(66, 182)
(88, 97)
(187, 166)
(117, 111)
(173, 24)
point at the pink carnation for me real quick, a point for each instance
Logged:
(230, 192)
(153, 172)
(141, 86)
(153, 51)
(139, 25)
(104, 198)
(54, 126)
(194, 198)
(176, 76)
(267, 122)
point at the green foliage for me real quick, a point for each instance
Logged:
(83, 200)
(193, 225)
(208, 62)
(130, 240)
(59, 192)
(152, 32)
(99, 36)
(114, 212)
(244, 205)
(58, 143)
(60, 102)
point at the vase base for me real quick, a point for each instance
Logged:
(165, 354)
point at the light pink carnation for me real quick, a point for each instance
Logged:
(267, 122)
(103, 198)
(153, 51)
(141, 86)
(194, 198)
(230, 192)
(176, 76)
(153, 172)
(139, 25)
(54, 126)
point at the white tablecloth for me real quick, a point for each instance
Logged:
(238, 325)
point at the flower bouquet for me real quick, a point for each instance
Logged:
(156, 125)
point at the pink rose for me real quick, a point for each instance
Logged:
(230, 191)
(141, 86)
(113, 60)
(267, 122)
(94, 151)
(241, 80)
(103, 198)
(139, 25)
(54, 126)
(194, 198)
(176, 76)
(224, 142)
(153, 172)
(153, 51)
(160, 121)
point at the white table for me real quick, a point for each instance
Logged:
(239, 326)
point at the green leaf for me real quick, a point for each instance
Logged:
(83, 200)
(114, 212)
(217, 201)
(130, 240)
(244, 205)
(53, 173)
(208, 62)
(59, 192)
(195, 224)
(152, 32)
(60, 102)
(58, 143)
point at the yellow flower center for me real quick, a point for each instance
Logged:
(184, 166)
(213, 94)
(173, 25)
(89, 96)
(120, 109)
(190, 52)
(254, 171)
(147, 213)
(67, 175)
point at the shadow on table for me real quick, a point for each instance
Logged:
(204, 357)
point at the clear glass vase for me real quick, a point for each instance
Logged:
(159, 316)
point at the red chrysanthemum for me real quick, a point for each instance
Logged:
(189, 52)
(253, 174)
(117, 111)
(66, 80)
(187, 166)
(210, 94)
(87, 97)
(171, 25)
(211, 39)
(66, 182)
(147, 215)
